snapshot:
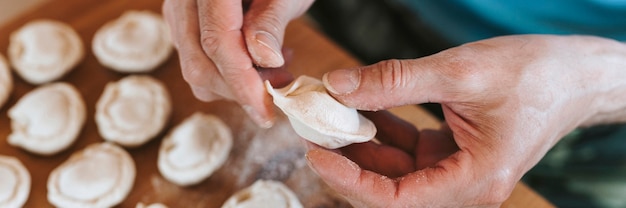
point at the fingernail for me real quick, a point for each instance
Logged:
(342, 81)
(269, 54)
(257, 118)
(309, 163)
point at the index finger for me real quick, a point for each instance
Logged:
(453, 182)
(223, 42)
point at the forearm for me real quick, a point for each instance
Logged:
(610, 101)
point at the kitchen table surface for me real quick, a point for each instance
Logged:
(258, 153)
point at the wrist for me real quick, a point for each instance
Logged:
(609, 82)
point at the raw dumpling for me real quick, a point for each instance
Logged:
(101, 175)
(264, 193)
(15, 181)
(48, 119)
(6, 81)
(318, 117)
(194, 149)
(133, 110)
(138, 41)
(155, 205)
(45, 50)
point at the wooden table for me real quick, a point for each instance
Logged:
(313, 55)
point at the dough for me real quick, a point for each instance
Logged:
(45, 50)
(194, 149)
(133, 110)
(138, 41)
(318, 117)
(15, 181)
(155, 205)
(48, 119)
(101, 175)
(264, 193)
(6, 81)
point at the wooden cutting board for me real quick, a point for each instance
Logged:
(275, 153)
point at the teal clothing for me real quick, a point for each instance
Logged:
(462, 21)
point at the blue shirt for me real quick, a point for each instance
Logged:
(461, 21)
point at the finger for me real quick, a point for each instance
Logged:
(392, 83)
(222, 41)
(349, 180)
(394, 131)
(264, 29)
(204, 94)
(279, 77)
(196, 68)
(382, 159)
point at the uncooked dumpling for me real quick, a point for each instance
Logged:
(45, 50)
(138, 41)
(318, 117)
(48, 119)
(155, 205)
(101, 175)
(264, 194)
(6, 81)
(194, 149)
(15, 182)
(133, 110)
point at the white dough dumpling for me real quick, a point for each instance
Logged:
(6, 81)
(15, 181)
(101, 175)
(264, 194)
(318, 117)
(48, 119)
(133, 110)
(194, 149)
(138, 41)
(45, 50)
(155, 205)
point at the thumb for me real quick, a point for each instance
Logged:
(264, 29)
(385, 84)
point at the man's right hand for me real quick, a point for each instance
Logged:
(220, 42)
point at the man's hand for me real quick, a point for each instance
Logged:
(506, 101)
(220, 42)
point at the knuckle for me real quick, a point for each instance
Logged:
(461, 64)
(192, 73)
(210, 41)
(465, 68)
(393, 74)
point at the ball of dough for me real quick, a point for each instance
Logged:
(48, 119)
(45, 50)
(15, 181)
(264, 193)
(6, 81)
(133, 110)
(194, 149)
(101, 175)
(138, 41)
(318, 117)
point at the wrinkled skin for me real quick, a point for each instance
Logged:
(222, 43)
(506, 101)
